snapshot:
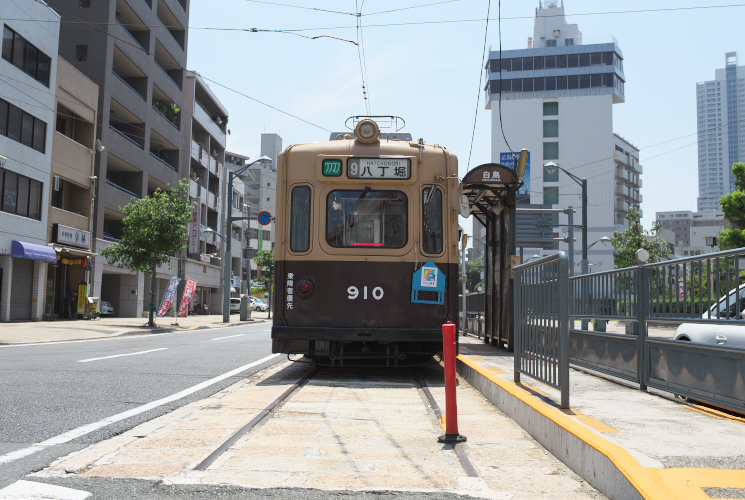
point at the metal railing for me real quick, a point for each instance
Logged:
(702, 289)
(541, 317)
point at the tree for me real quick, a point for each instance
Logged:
(627, 242)
(265, 260)
(473, 273)
(154, 227)
(733, 206)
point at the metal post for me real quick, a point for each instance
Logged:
(227, 256)
(449, 341)
(585, 266)
(641, 318)
(464, 278)
(570, 223)
(563, 288)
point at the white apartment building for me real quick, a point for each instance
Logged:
(555, 97)
(28, 72)
(720, 105)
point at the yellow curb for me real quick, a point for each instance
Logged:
(651, 483)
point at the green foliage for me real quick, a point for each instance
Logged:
(169, 110)
(626, 243)
(473, 274)
(154, 227)
(733, 206)
(265, 260)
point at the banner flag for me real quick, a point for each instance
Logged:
(189, 290)
(168, 297)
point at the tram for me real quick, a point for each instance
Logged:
(366, 254)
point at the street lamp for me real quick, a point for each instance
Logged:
(551, 168)
(228, 257)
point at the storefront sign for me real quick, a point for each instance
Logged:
(168, 297)
(205, 257)
(82, 295)
(191, 286)
(66, 235)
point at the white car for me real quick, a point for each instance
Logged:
(722, 334)
(258, 304)
(106, 308)
(235, 304)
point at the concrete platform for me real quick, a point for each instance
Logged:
(625, 442)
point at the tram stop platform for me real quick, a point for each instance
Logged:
(625, 442)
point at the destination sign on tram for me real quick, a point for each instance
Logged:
(379, 168)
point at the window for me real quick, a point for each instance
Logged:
(25, 56)
(367, 218)
(569, 41)
(20, 195)
(550, 43)
(572, 60)
(432, 229)
(300, 219)
(81, 52)
(551, 128)
(550, 150)
(550, 108)
(22, 127)
(551, 195)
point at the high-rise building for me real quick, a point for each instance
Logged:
(555, 98)
(721, 133)
(139, 69)
(28, 73)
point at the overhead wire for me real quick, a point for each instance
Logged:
(361, 57)
(478, 90)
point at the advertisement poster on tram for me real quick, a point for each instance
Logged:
(168, 297)
(191, 286)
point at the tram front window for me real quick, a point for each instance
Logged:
(367, 218)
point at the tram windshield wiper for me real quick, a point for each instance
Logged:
(356, 206)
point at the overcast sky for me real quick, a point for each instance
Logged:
(423, 60)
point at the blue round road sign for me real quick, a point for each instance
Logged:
(265, 218)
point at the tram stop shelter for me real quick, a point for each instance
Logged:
(491, 193)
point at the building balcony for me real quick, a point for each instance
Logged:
(72, 161)
(208, 123)
(70, 219)
(195, 190)
(212, 201)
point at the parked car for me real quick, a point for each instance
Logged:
(258, 305)
(106, 308)
(235, 304)
(722, 334)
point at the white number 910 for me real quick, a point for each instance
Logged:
(354, 292)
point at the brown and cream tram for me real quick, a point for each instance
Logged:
(366, 255)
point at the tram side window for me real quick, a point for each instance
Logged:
(300, 219)
(367, 218)
(432, 220)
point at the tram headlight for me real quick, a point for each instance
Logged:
(305, 288)
(367, 132)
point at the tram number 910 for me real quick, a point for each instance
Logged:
(354, 292)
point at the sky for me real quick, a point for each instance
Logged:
(422, 60)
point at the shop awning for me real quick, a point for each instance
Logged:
(73, 251)
(23, 250)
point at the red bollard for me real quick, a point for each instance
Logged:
(449, 345)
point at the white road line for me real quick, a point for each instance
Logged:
(229, 337)
(121, 355)
(88, 428)
(30, 489)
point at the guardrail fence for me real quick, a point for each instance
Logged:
(541, 317)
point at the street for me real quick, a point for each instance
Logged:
(61, 397)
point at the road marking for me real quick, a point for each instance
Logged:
(88, 428)
(229, 337)
(121, 355)
(30, 489)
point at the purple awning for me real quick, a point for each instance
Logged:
(23, 250)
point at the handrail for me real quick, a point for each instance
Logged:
(141, 146)
(128, 85)
(130, 34)
(167, 119)
(112, 183)
(163, 161)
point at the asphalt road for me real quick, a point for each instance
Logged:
(61, 397)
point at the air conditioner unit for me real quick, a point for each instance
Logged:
(214, 153)
(56, 182)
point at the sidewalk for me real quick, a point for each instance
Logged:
(625, 442)
(51, 331)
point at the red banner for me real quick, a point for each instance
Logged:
(191, 287)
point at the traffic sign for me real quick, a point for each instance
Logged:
(265, 218)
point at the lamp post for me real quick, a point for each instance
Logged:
(228, 256)
(552, 167)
